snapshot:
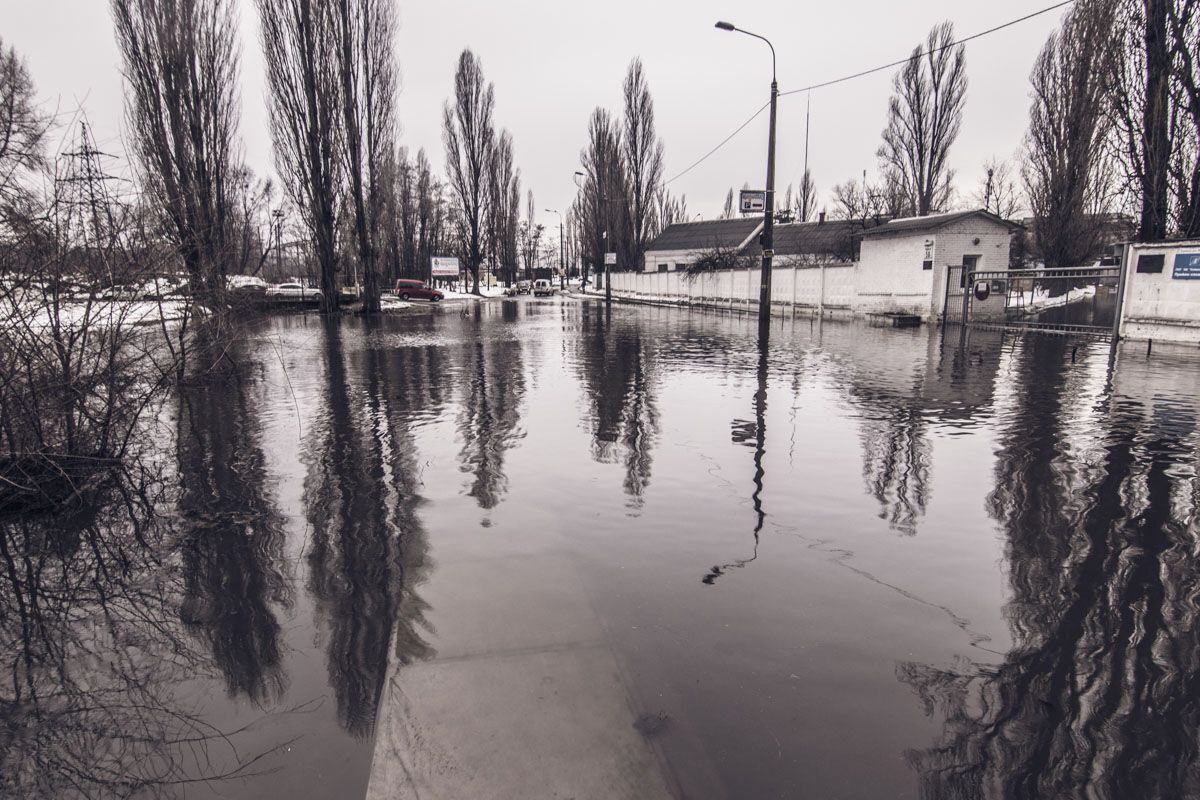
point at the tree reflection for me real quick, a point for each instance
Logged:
(896, 457)
(1098, 697)
(490, 416)
(620, 376)
(232, 537)
(368, 548)
(98, 664)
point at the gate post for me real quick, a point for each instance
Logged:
(1122, 276)
(968, 286)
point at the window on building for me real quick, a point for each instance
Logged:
(927, 264)
(680, 267)
(663, 267)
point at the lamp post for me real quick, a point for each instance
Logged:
(768, 241)
(562, 264)
(607, 279)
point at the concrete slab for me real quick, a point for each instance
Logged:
(542, 724)
(522, 699)
(515, 603)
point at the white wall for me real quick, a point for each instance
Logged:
(811, 287)
(891, 276)
(1160, 306)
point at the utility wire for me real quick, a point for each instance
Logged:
(871, 71)
(924, 53)
(704, 157)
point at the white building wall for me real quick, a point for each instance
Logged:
(1161, 306)
(891, 274)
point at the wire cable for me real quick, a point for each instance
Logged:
(924, 53)
(865, 72)
(724, 141)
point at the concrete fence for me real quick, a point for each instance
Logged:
(811, 288)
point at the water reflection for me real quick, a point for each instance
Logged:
(619, 369)
(231, 538)
(1098, 697)
(752, 434)
(96, 702)
(367, 546)
(489, 417)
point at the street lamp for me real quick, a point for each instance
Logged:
(607, 278)
(768, 241)
(562, 263)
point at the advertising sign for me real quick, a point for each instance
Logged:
(752, 202)
(444, 267)
(1187, 266)
(610, 258)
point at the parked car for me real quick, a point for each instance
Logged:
(523, 287)
(293, 293)
(511, 291)
(407, 289)
(542, 287)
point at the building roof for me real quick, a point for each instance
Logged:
(933, 222)
(706, 235)
(832, 237)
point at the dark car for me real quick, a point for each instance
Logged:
(416, 290)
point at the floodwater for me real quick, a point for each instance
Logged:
(532, 549)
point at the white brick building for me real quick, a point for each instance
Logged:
(902, 264)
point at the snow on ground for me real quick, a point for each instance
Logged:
(107, 312)
(1040, 299)
(390, 303)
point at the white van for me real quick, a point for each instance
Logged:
(542, 287)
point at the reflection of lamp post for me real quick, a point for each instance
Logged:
(607, 279)
(768, 243)
(562, 268)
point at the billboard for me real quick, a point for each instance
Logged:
(751, 202)
(444, 267)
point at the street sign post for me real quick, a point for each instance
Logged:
(610, 259)
(752, 202)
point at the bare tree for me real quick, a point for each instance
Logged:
(806, 198)
(1065, 172)
(299, 40)
(1156, 107)
(642, 154)
(924, 117)
(181, 65)
(531, 236)
(727, 211)
(22, 129)
(998, 191)
(504, 208)
(470, 143)
(367, 75)
(603, 214)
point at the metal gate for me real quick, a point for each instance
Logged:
(1079, 300)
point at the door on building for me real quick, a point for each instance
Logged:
(970, 264)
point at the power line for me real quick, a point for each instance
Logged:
(704, 157)
(871, 71)
(922, 54)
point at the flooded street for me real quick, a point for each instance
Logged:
(534, 548)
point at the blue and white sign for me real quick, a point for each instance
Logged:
(1187, 266)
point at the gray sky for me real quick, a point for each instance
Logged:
(553, 62)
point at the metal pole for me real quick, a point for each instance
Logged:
(768, 241)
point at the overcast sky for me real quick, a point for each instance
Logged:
(553, 62)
